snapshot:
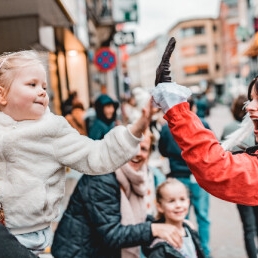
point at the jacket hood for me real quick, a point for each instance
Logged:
(100, 102)
(236, 138)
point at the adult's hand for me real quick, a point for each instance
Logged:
(141, 124)
(168, 233)
(163, 72)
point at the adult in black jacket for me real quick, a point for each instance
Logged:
(91, 227)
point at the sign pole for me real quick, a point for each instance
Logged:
(118, 75)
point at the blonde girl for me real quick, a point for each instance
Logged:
(36, 145)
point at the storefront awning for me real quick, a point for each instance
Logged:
(68, 41)
(51, 12)
(29, 24)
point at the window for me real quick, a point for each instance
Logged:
(193, 50)
(198, 30)
(188, 51)
(196, 70)
(188, 32)
(202, 49)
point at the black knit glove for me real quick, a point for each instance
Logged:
(163, 72)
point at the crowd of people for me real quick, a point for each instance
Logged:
(121, 206)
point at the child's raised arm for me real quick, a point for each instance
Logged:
(140, 125)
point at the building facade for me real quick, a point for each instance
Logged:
(197, 59)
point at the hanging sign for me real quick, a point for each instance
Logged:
(105, 59)
(123, 38)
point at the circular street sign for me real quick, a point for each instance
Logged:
(105, 59)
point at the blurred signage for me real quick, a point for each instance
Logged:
(105, 59)
(124, 10)
(123, 38)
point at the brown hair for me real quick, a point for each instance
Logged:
(237, 107)
(253, 83)
(77, 104)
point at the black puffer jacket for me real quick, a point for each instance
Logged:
(164, 250)
(90, 227)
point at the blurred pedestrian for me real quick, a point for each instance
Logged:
(37, 145)
(67, 105)
(106, 215)
(199, 198)
(90, 116)
(202, 104)
(248, 214)
(131, 108)
(105, 118)
(238, 113)
(173, 206)
(77, 117)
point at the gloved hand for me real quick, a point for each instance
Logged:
(168, 94)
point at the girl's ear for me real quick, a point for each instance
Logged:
(3, 100)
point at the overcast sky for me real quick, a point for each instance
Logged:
(157, 16)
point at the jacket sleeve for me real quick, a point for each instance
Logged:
(94, 156)
(230, 177)
(103, 203)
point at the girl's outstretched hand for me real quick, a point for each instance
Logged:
(142, 123)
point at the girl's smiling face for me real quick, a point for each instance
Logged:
(174, 203)
(27, 98)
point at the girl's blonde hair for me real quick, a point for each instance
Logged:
(171, 182)
(12, 62)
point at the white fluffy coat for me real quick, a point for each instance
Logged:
(33, 155)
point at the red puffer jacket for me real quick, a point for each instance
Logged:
(229, 177)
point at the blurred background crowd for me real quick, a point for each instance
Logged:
(100, 76)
